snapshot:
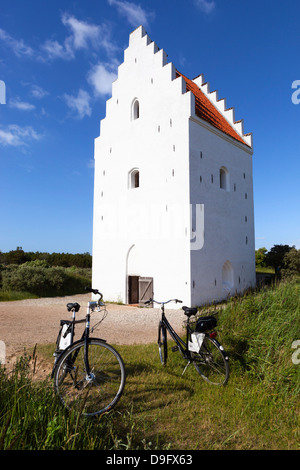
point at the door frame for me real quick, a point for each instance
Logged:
(142, 285)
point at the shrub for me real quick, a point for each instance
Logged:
(291, 263)
(38, 278)
(1, 269)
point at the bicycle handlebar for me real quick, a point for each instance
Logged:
(162, 303)
(94, 291)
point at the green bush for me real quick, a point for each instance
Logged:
(18, 256)
(38, 278)
(291, 263)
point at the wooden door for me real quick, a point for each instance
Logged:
(133, 289)
(145, 289)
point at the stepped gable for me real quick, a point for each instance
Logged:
(207, 111)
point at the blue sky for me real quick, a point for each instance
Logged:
(58, 59)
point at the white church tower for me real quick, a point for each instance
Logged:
(173, 196)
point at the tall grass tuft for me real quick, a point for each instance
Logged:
(31, 418)
(259, 330)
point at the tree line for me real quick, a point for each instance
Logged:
(279, 257)
(65, 260)
(284, 259)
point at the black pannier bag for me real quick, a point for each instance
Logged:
(205, 324)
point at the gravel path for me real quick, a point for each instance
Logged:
(25, 323)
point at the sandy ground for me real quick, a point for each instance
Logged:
(25, 323)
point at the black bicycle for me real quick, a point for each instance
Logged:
(89, 374)
(200, 348)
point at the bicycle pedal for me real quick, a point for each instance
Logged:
(174, 348)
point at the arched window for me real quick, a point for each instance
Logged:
(135, 110)
(224, 178)
(134, 179)
(227, 276)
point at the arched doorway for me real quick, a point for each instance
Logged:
(227, 276)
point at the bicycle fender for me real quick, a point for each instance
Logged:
(225, 354)
(98, 339)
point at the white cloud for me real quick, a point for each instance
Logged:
(80, 104)
(38, 92)
(22, 105)
(54, 50)
(17, 136)
(134, 14)
(83, 36)
(101, 77)
(82, 32)
(207, 6)
(17, 45)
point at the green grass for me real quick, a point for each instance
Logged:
(161, 409)
(265, 270)
(7, 296)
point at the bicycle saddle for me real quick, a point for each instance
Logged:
(74, 306)
(189, 311)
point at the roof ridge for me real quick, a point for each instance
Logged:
(218, 116)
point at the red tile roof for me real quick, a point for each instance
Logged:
(207, 111)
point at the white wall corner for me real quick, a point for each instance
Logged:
(153, 46)
(239, 126)
(137, 34)
(180, 82)
(170, 70)
(199, 80)
(205, 88)
(192, 110)
(229, 114)
(249, 139)
(161, 57)
(221, 104)
(214, 96)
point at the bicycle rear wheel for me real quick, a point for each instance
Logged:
(211, 362)
(97, 392)
(162, 344)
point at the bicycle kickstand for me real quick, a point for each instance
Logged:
(186, 367)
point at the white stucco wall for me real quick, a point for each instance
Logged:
(229, 215)
(143, 231)
(146, 231)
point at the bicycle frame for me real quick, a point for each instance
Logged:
(183, 346)
(84, 337)
(196, 351)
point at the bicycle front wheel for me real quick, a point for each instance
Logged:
(162, 344)
(94, 393)
(211, 362)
